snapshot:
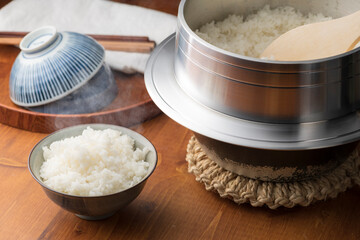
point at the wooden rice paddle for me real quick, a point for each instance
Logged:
(317, 40)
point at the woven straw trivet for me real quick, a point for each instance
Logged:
(259, 193)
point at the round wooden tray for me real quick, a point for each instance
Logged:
(132, 105)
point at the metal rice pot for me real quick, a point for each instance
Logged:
(264, 90)
(266, 120)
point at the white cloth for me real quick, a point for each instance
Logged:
(93, 17)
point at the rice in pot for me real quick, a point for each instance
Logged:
(251, 35)
(98, 162)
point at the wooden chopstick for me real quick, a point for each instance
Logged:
(109, 42)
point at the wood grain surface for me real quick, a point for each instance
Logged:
(172, 205)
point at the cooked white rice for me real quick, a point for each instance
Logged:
(251, 35)
(98, 162)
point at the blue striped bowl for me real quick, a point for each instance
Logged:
(53, 65)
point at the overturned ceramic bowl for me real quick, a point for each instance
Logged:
(92, 207)
(61, 72)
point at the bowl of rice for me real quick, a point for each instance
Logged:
(93, 170)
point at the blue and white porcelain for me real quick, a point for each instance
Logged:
(55, 69)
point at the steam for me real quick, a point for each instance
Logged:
(95, 95)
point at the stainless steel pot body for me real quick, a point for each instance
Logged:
(262, 90)
(265, 151)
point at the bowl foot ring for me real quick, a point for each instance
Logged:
(259, 193)
(95, 218)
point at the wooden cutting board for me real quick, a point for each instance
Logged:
(132, 105)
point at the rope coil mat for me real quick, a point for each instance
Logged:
(272, 194)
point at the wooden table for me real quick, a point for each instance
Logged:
(172, 205)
